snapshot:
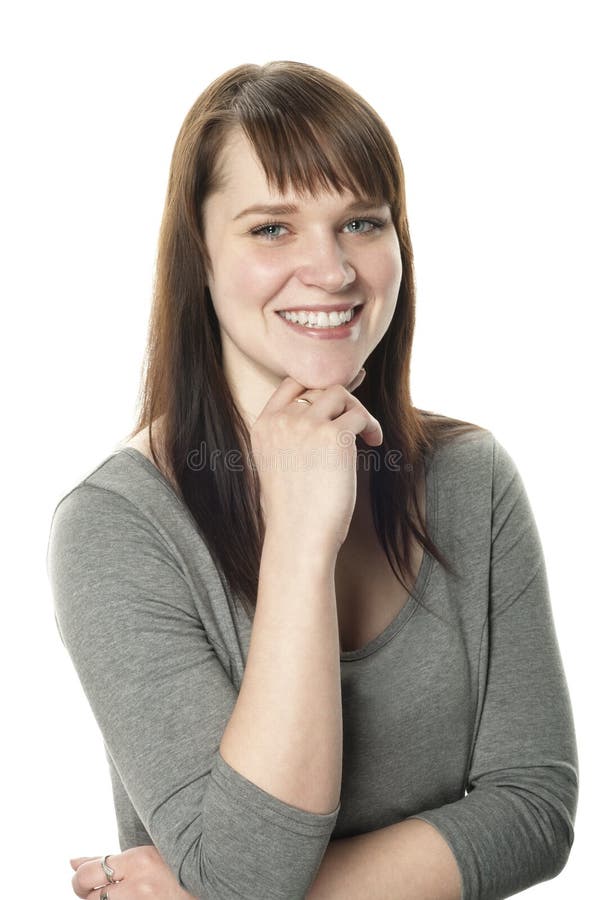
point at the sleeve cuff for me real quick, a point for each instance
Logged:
(270, 808)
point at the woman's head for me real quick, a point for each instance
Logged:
(285, 132)
(330, 252)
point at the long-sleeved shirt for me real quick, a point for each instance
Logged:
(458, 713)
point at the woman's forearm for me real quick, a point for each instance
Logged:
(285, 733)
(406, 861)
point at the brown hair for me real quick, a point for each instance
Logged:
(310, 130)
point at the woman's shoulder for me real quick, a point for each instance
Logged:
(472, 468)
(469, 450)
(474, 472)
(123, 517)
(124, 487)
(458, 445)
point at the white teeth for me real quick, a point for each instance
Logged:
(319, 319)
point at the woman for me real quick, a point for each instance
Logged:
(312, 621)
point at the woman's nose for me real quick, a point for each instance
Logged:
(323, 262)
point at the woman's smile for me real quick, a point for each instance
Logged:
(322, 326)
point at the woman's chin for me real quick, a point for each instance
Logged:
(320, 381)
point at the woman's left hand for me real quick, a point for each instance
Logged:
(140, 872)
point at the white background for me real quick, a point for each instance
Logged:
(492, 106)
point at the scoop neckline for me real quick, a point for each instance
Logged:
(419, 587)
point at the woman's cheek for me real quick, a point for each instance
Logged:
(257, 287)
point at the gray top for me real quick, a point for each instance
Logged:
(458, 713)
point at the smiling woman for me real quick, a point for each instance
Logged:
(324, 665)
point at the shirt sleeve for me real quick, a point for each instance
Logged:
(514, 827)
(131, 832)
(162, 699)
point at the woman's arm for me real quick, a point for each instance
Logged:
(285, 733)
(515, 826)
(407, 861)
(161, 696)
(411, 854)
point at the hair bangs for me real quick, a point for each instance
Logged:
(320, 145)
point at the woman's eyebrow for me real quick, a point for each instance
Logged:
(288, 209)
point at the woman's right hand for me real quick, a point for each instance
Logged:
(306, 460)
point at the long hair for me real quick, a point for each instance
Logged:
(312, 131)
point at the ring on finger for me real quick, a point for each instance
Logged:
(108, 870)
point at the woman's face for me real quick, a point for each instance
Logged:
(326, 254)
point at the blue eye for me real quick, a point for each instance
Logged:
(262, 230)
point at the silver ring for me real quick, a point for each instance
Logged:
(104, 895)
(108, 872)
(302, 400)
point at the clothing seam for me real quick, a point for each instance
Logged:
(485, 627)
(509, 603)
(478, 706)
(252, 791)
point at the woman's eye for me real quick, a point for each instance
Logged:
(375, 224)
(265, 230)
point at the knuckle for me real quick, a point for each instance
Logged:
(362, 417)
(340, 391)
